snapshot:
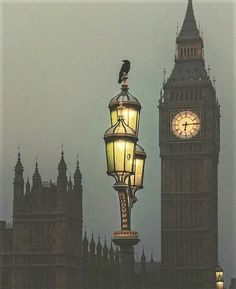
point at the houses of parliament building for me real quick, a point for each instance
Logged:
(45, 247)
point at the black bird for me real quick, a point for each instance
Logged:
(124, 68)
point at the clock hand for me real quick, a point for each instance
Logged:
(185, 124)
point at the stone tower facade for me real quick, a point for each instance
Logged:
(189, 136)
(45, 241)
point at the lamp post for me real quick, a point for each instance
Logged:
(125, 162)
(219, 274)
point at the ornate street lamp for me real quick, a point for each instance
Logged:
(219, 273)
(125, 162)
(120, 141)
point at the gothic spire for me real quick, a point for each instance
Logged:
(18, 180)
(99, 247)
(189, 29)
(77, 174)
(92, 246)
(62, 179)
(19, 167)
(62, 165)
(37, 181)
(105, 250)
(77, 177)
(189, 45)
(85, 244)
(143, 257)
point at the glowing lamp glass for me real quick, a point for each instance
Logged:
(120, 141)
(130, 116)
(136, 180)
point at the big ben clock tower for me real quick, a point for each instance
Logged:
(189, 149)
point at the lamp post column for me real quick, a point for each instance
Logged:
(125, 162)
(125, 239)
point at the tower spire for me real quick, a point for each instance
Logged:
(189, 28)
(189, 43)
(37, 181)
(19, 167)
(77, 177)
(62, 179)
(18, 180)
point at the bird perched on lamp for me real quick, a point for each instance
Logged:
(125, 68)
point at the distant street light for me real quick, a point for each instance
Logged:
(219, 277)
(125, 162)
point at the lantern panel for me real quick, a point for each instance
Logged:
(138, 180)
(129, 156)
(130, 115)
(219, 275)
(132, 119)
(114, 117)
(119, 151)
(110, 157)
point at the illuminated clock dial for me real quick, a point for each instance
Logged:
(185, 124)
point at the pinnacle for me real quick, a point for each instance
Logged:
(62, 164)
(19, 166)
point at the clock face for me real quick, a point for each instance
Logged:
(185, 124)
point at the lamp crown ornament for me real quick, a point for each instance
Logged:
(124, 83)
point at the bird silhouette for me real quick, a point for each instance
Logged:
(124, 68)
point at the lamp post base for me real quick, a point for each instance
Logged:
(126, 240)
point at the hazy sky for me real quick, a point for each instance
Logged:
(60, 64)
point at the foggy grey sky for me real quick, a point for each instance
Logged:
(59, 72)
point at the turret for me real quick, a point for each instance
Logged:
(92, 247)
(77, 179)
(105, 252)
(36, 179)
(62, 178)
(18, 180)
(85, 245)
